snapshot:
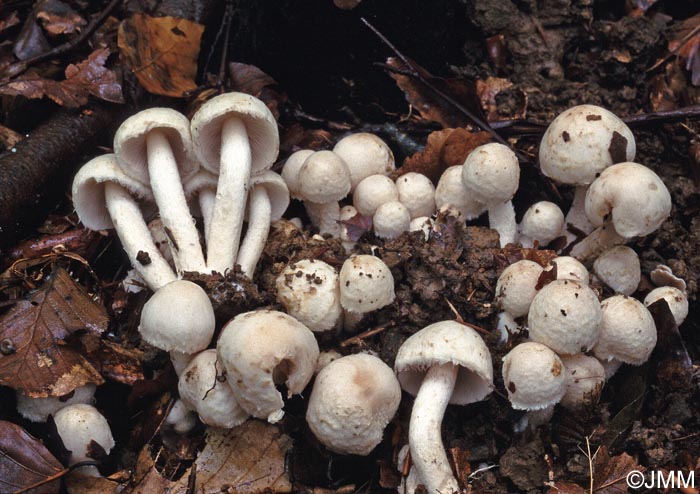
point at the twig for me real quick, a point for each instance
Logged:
(55, 476)
(356, 340)
(19, 67)
(675, 51)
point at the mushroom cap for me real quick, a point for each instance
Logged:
(515, 288)
(570, 268)
(89, 190)
(352, 401)
(366, 284)
(676, 299)
(372, 192)
(565, 315)
(178, 317)
(580, 143)
(636, 196)
(611, 367)
(264, 348)
(309, 291)
(39, 409)
(203, 388)
(203, 179)
(290, 171)
(259, 122)
(324, 178)
(534, 376)
(391, 219)
(422, 223)
(451, 192)
(79, 425)
(130, 142)
(543, 221)
(491, 173)
(447, 342)
(627, 331)
(365, 154)
(585, 377)
(417, 193)
(277, 192)
(619, 268)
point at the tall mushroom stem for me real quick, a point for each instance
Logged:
(231, 195)
(502, 219)
(576, 216)
(424, 432)
(206, 199)
(172, 205)
(325, 216)
(260, 214)
(136, 238)
(598, 241)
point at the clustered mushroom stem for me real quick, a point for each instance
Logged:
(253, 244)
(206, 200)
(325, 216)
(576, 216)
(172, 205)
(502, 219)
(135, 237)
(231, 194)
(424, 432)
(601, 239)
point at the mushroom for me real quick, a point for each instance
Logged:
(235, 135)
(261, 350)
(203, 185)
(372, 192)
(325, 358)
(627, 331)
(542, 223)
(491, 174)
(676, 299)
(451, 192)
(417, 193)
(290, 171)
(366, 284)
(577, 146)
(181, 418)
(79, 426)
(352, 401)
(39, 409)
(267, 202)
(309, 291)
(585, 377)
(203, 388)
(423, 224)
(446, 362)
(517, 286)
(390, 220)
(365, 154)
(618, 267)
(154, 147)
(566, 316)
(629, 197)
(569, 268)
(534, 377)
(102, 197)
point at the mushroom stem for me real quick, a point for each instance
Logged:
(206, 198)
(259, 216)
(136, 238)
(424, 432)
(598, 241)
(502, 219)
(325, 216)
(576, 216)
(172, 205)
(231, 195)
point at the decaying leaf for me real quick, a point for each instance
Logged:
(88, 78)
(162, 52)
(25, 461)
(57, 17)
(610, 472)
(488, 90)
(11, 19)
(251, 80)
(116, 362)
(566, 488)
(8, 137)
(686, 44)
(357, 226)
(34, 355)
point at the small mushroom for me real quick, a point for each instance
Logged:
(417, 193)
(290, 171)
(365, 154)
(516, 287)
(534, 377)
(366, 284)
(390, 220)
(181, 418)
(585, 377)
(423, 224)
(39, 409)
(352, 401)
(79, 426)
(451, 192)
(618, 267)
(372, 192)
(676, 299)
(542, 223)
(569, 268)
(446, 362)
(203, 185)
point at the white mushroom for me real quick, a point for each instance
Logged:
(451, 192)
(366, 284)
(290, 171)
(585, 377)
(79, 426)
(619, 268)
(423, 224)
(542, 223)
(372, 192)
(39, 409)
(676, 299)
(569, 268)
(181, 418)
(390, 220)
(516, 287)
(365, 154)
(534, 377)
(203, 185)
(417, 193)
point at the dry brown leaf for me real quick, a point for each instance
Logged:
(251, 80)
(162, 52)
(116, 362)
(566, 488)
(34, 355)
(57, 17)
(8, 137)
(610, 473)
(357, 226)
(12, 19)
(686, 44)
(489, 88)
(346, 4)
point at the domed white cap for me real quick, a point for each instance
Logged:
(366, 154)
(372, 192)
(391, 219)
(676, 299)
(277, 192)
(543, 221)
(491, 173)
(366, 284)
(79, 425)
(627, 331)
(580, 143)
(451, 192)
(39, 409)
(565, 315)
(534, 377)
(417, 193)
(310, 292)
(515, 288)
(352, 401)
(290, 171)
(619, 268)
(570, 268)
(585, 377)
(324, 177)
(442, 343)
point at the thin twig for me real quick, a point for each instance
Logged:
(55, 476)
(678, 48)
(356, 340)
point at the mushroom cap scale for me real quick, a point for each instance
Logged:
(627, 331)
(366, 284)
(534, 376)
(447, 342)
(491, 173)
(260, 126)
(365, 154)
(80, 424)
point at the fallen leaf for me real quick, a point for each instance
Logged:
(251, 80)
(610, 473)
(25, 461)
(566, 488)
(31, 40)
(10, 20)
(8, 137)
(488, 90)
(162, 52)
(346, 4)
(685, 43)
(357, 226)
(58, 18)
(35, 358)
(116, 362)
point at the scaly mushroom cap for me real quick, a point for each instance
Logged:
(582, 142)
(365, 154)
(565, 315)
(676, 299)
(619, 268)
(309, 291)
(491, 173)
(451, 192)
(79, 425)
(570, 268)
(352, 401)
(130, 142)
(585, 377)
(534, 376)
(366, 284)
(447, 342)
(543, 221)
(372, 192)
(324, 177)
(203, 388)
(636, 196)
(627, 331)
(417, 193)
(178, 317)
(277, 192)
(259, 122)
(515, 288)
(262, 349)
(391, 219)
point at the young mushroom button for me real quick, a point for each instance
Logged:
(366, 154)
(619, 268)
(451, 193)
(366, 284)
(446, 362)
(79, 426)
(585, 377)
(516, 287)
(542, 223)
(390, 220)
(676, 299)
(534, 377)
(417, 193)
